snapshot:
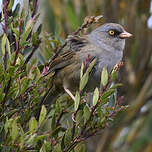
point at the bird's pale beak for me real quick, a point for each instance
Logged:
(124, 35)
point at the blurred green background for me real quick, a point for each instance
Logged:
(132, 131)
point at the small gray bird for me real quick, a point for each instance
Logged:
(106, 43)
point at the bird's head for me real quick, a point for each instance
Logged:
(110, 36)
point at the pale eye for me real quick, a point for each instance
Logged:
(111, 32)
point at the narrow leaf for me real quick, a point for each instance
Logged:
(85, 77)
(25, 35)
(10, 5)
(79, 115)
(84, 81)
(58, 107)
(95, 96)
(77, 101)
(3, 44)
(91, 65)
(42, 114)
(81, 72)
(14, 131)
(33, 124)
(113, 75)
(104, 76)
(8, 47)
(68, 137)
(86, 113)
(25, 83)
(116, 86)
(15, 30)
(107, 94)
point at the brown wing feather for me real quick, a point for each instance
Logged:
(75, 43)
(61, 61)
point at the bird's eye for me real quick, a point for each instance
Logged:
(111, 32)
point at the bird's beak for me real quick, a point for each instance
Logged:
(124, 35)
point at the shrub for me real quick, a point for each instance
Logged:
(26, 124)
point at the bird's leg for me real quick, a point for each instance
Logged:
(69, 93)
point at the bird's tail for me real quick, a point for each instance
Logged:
(50, 96)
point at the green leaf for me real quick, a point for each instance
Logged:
(10, 5)
(46, 146)
(34, 38)
(116, 86)
(57, 148)
(43, 148)
(14, 130)
(82, 147)
(83, 81)
(56, 131)
(33, 62)
(58, 107)
(8, 47)
(8, 124)
(79, 115)
(95, 96)
(68, 137)
(31, 139)
(22, 13)
(15, 30)
(25, 82)
(77, 101)
(81, 72)
(3, 44)
(107, 94)
(33, 124)
(41, 137)
(85, 77)
(11, 69)
(28, 29)
(104, 76)
(91, 65)
(114, 75)
(1, 96)
(42, 114)
(19, 60)
(86, 113)
(102, 120)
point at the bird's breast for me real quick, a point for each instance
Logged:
(108, 60)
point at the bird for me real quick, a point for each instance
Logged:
(106, 43)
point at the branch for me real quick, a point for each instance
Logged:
(35, 7)
(30, 55)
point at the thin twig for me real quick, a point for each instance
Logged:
(35, 7)
(5, 3)
(30, 55)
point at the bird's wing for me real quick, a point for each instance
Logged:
(61, 61)
(76, 42)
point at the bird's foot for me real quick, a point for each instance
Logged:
(69, 93)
